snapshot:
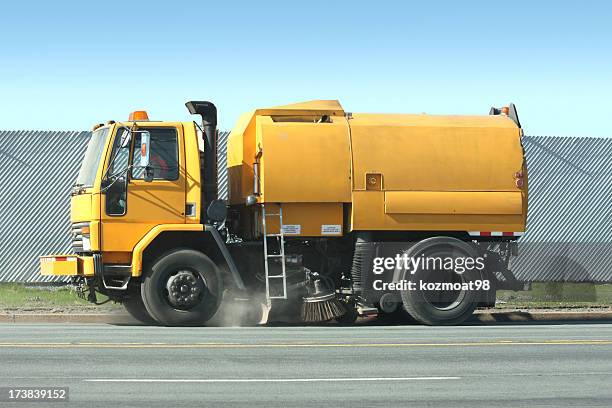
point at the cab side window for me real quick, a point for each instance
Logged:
(116, 194)
(120, 155)
(163, 158)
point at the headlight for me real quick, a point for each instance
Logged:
(81, 238)
(86, 243)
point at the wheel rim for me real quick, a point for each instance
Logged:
(444, 300)
(448, 299)
(184, 290)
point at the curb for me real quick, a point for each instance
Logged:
(478, 317)
(524, 316)
(99, 318)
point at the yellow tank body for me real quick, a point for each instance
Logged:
(335, 172)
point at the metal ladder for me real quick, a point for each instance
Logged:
(267, 256)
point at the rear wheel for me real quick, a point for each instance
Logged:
(182, 288)
(441, 307)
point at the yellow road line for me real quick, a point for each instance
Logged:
(305, 345)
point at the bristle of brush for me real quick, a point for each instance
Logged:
(322, 311)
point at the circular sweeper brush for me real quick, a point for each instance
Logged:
(321, 303)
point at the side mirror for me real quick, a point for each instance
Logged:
(145, 154)
(148, 174)
(145, 148)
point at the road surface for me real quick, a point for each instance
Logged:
(503, 365)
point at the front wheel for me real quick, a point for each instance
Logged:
(182, 288)
(134, 305)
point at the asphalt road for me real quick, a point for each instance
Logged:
(553, 365)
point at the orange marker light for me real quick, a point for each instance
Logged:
(138, 115)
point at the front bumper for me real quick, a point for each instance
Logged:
(67, 265)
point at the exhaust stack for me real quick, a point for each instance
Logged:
(208, 112)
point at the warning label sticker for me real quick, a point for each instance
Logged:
(331, 229)
(292, 229)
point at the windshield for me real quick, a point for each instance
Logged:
(91, 161)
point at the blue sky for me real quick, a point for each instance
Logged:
(68, 65)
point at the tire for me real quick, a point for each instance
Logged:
(205, 276)
(450, 308)
(134, 305)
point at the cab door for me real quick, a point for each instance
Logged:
(145, 204)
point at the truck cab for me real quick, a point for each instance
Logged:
(115, 203)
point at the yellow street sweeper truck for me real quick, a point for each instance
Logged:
(330, 215)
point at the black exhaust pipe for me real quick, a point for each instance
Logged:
(208, 112)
